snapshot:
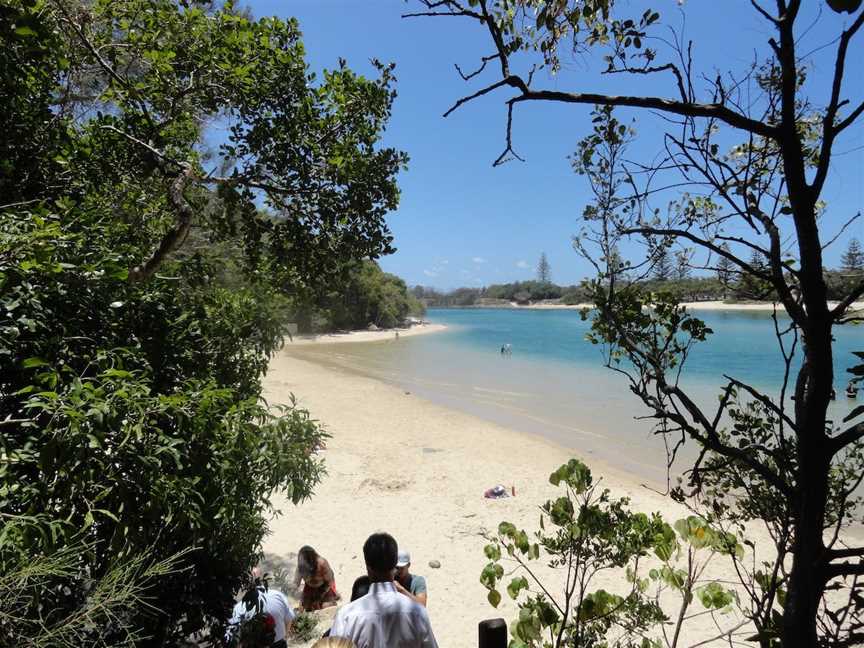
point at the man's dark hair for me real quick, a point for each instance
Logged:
(379, 552)
(360, 587)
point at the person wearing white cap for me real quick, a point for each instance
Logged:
(411, 585)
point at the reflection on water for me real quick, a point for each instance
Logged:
(555, 384)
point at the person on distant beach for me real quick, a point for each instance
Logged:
(319, 585)
(397, 335)
(263, 617)
(409, 584)
(383, 618)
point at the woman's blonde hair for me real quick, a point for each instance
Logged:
(334, 642)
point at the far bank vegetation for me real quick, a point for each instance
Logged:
(726, 285)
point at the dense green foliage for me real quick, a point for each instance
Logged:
(30, 579)
(363, 296)
(143, 283)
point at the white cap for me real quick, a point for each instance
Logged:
(403, 558)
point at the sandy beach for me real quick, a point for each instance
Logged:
(418, 471)
(366, 336)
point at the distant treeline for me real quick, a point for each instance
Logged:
(688, 289)
(522, 292)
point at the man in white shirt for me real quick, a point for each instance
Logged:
(260, 599)
(383, 618)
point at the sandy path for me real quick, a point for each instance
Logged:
(418, 471)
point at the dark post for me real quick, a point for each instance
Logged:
(493, 633)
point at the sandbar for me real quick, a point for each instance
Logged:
(378, 335)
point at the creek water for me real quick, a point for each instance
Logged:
(555, 383)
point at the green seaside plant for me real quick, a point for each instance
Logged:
(35, 610)
(586, 532)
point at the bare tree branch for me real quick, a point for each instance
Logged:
(718, 111)
(176, 236)
(847, 437)
(484, 61)
(829, 130)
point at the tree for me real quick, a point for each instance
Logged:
(142, 281)
(367, 295)
(662, 264)
(768, 185)
(682, 264)
(725, 269)
(853, 258)
(751, 285)
(544, 272)
(28, 580)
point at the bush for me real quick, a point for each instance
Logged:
(144, 430)
(586, 531)
(304, 626)
(139, 291)
(35, 610)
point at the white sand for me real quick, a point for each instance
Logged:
(760, 306)
(418, 471)
(365, 336)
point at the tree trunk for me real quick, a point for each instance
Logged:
(806, 580)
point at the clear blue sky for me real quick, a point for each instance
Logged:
(462, 222)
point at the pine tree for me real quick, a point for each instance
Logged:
(682, 264)
(725, 269)
(753, 287)
(544, 272)
(853, 258)
(662, 264)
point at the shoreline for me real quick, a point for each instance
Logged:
(365, 335)
(709, 305)
(401, 464)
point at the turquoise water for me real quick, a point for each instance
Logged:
(555, 384)
(743, 343)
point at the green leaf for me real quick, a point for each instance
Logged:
(506, 529)
(494, 598)
(517, 585)
(492, 551)
(29, 363)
